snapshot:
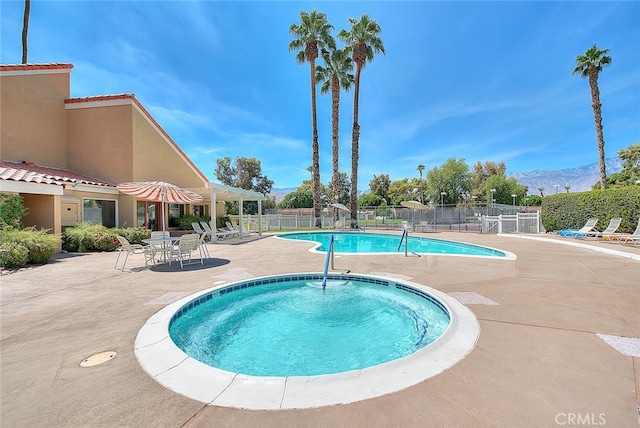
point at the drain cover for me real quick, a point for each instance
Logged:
(96, 359)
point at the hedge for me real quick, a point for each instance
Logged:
(572, 210)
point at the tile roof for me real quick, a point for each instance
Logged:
(30, 173)
(124, 96)
(29, 67)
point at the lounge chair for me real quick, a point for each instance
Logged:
(236, 229)
(207, 229)
(579, 233)
(197, 228)
(129, 248)
(224, 234)
(188, 244)
(613, 226)
(634, 238)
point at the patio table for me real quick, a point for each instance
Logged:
(167, 245)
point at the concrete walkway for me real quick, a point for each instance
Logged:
(538, 362)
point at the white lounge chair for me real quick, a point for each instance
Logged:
(634, 238)
(202, 246)
(579, 233)
(129, 248)
(188, 244)
(234, 228)
(611, 229)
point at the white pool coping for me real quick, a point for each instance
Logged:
(508, 255)
(175, 370)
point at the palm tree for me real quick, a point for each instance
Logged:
(335, 75)
(25, 29)
(362, 41)
(590, 65)
(311, 34)
(420, 169)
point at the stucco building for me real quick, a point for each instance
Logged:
(65, 155)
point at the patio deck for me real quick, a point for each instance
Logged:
(538, 360)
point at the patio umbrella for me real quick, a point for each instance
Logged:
(414, 205)
(340, 207)
(159, 191)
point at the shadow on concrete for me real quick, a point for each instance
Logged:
(191, 267)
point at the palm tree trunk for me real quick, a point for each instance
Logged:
(355, 137)
(597, 116)
(25, 29)
(335, 117)
(315, 149)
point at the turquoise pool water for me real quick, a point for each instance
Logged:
(287, 326)
(350, 242)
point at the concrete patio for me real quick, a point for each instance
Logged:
(538, 362)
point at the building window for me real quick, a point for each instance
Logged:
(98, 211)
(175, 212)
(200, 210)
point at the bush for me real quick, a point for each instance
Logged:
(572, 210)
(135, 235)
(39, 244)
(13, 255)
(86, 237)
(11, 210)
(184, 222)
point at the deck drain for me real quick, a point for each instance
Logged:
(96, 359)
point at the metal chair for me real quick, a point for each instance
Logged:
(187, 244)
(129, 248)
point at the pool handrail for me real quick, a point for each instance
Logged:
(326, 263)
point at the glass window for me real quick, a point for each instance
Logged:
(98, 211)
(175, 212)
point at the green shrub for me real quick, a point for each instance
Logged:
(572, 210)
(11, 210)
(184, 222)
(39, 244)
(135, 235)
(85, 237)
(13, 255)
(222, 221)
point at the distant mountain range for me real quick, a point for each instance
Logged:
(578, 179)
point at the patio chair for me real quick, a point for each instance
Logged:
(202, 246)
(579, 233)
(129, 248)
(613, 226)
(188, 244)
(224, 234)
(160, 247)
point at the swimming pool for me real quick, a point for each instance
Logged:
(302, 330)
(380, 243)
(161, 358)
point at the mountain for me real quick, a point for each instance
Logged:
(578, 179)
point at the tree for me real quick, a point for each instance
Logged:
(541, 190)
(25, 29)
(369, 200)
(420, 168)
(481, 174)
(590, 65)
(452, 177)
(402, 190)
(362, 42)
(630, 173)
(245, 174)
(12, 210)
(379, 185)
(343, 185)
(311, 34)
(301, 198)
(505, 187)
(335, 75)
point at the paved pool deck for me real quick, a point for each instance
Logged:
(541, 358)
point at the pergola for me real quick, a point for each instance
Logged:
(222, 192)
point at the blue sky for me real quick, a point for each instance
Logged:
(474, 80)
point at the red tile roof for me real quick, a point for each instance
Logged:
(31, 173)
(100, 98)
(29, 67)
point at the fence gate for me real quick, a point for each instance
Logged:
(517, 223)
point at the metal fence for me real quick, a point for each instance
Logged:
(458, 218)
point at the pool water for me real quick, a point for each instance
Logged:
(294, 328)
(350, 242)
